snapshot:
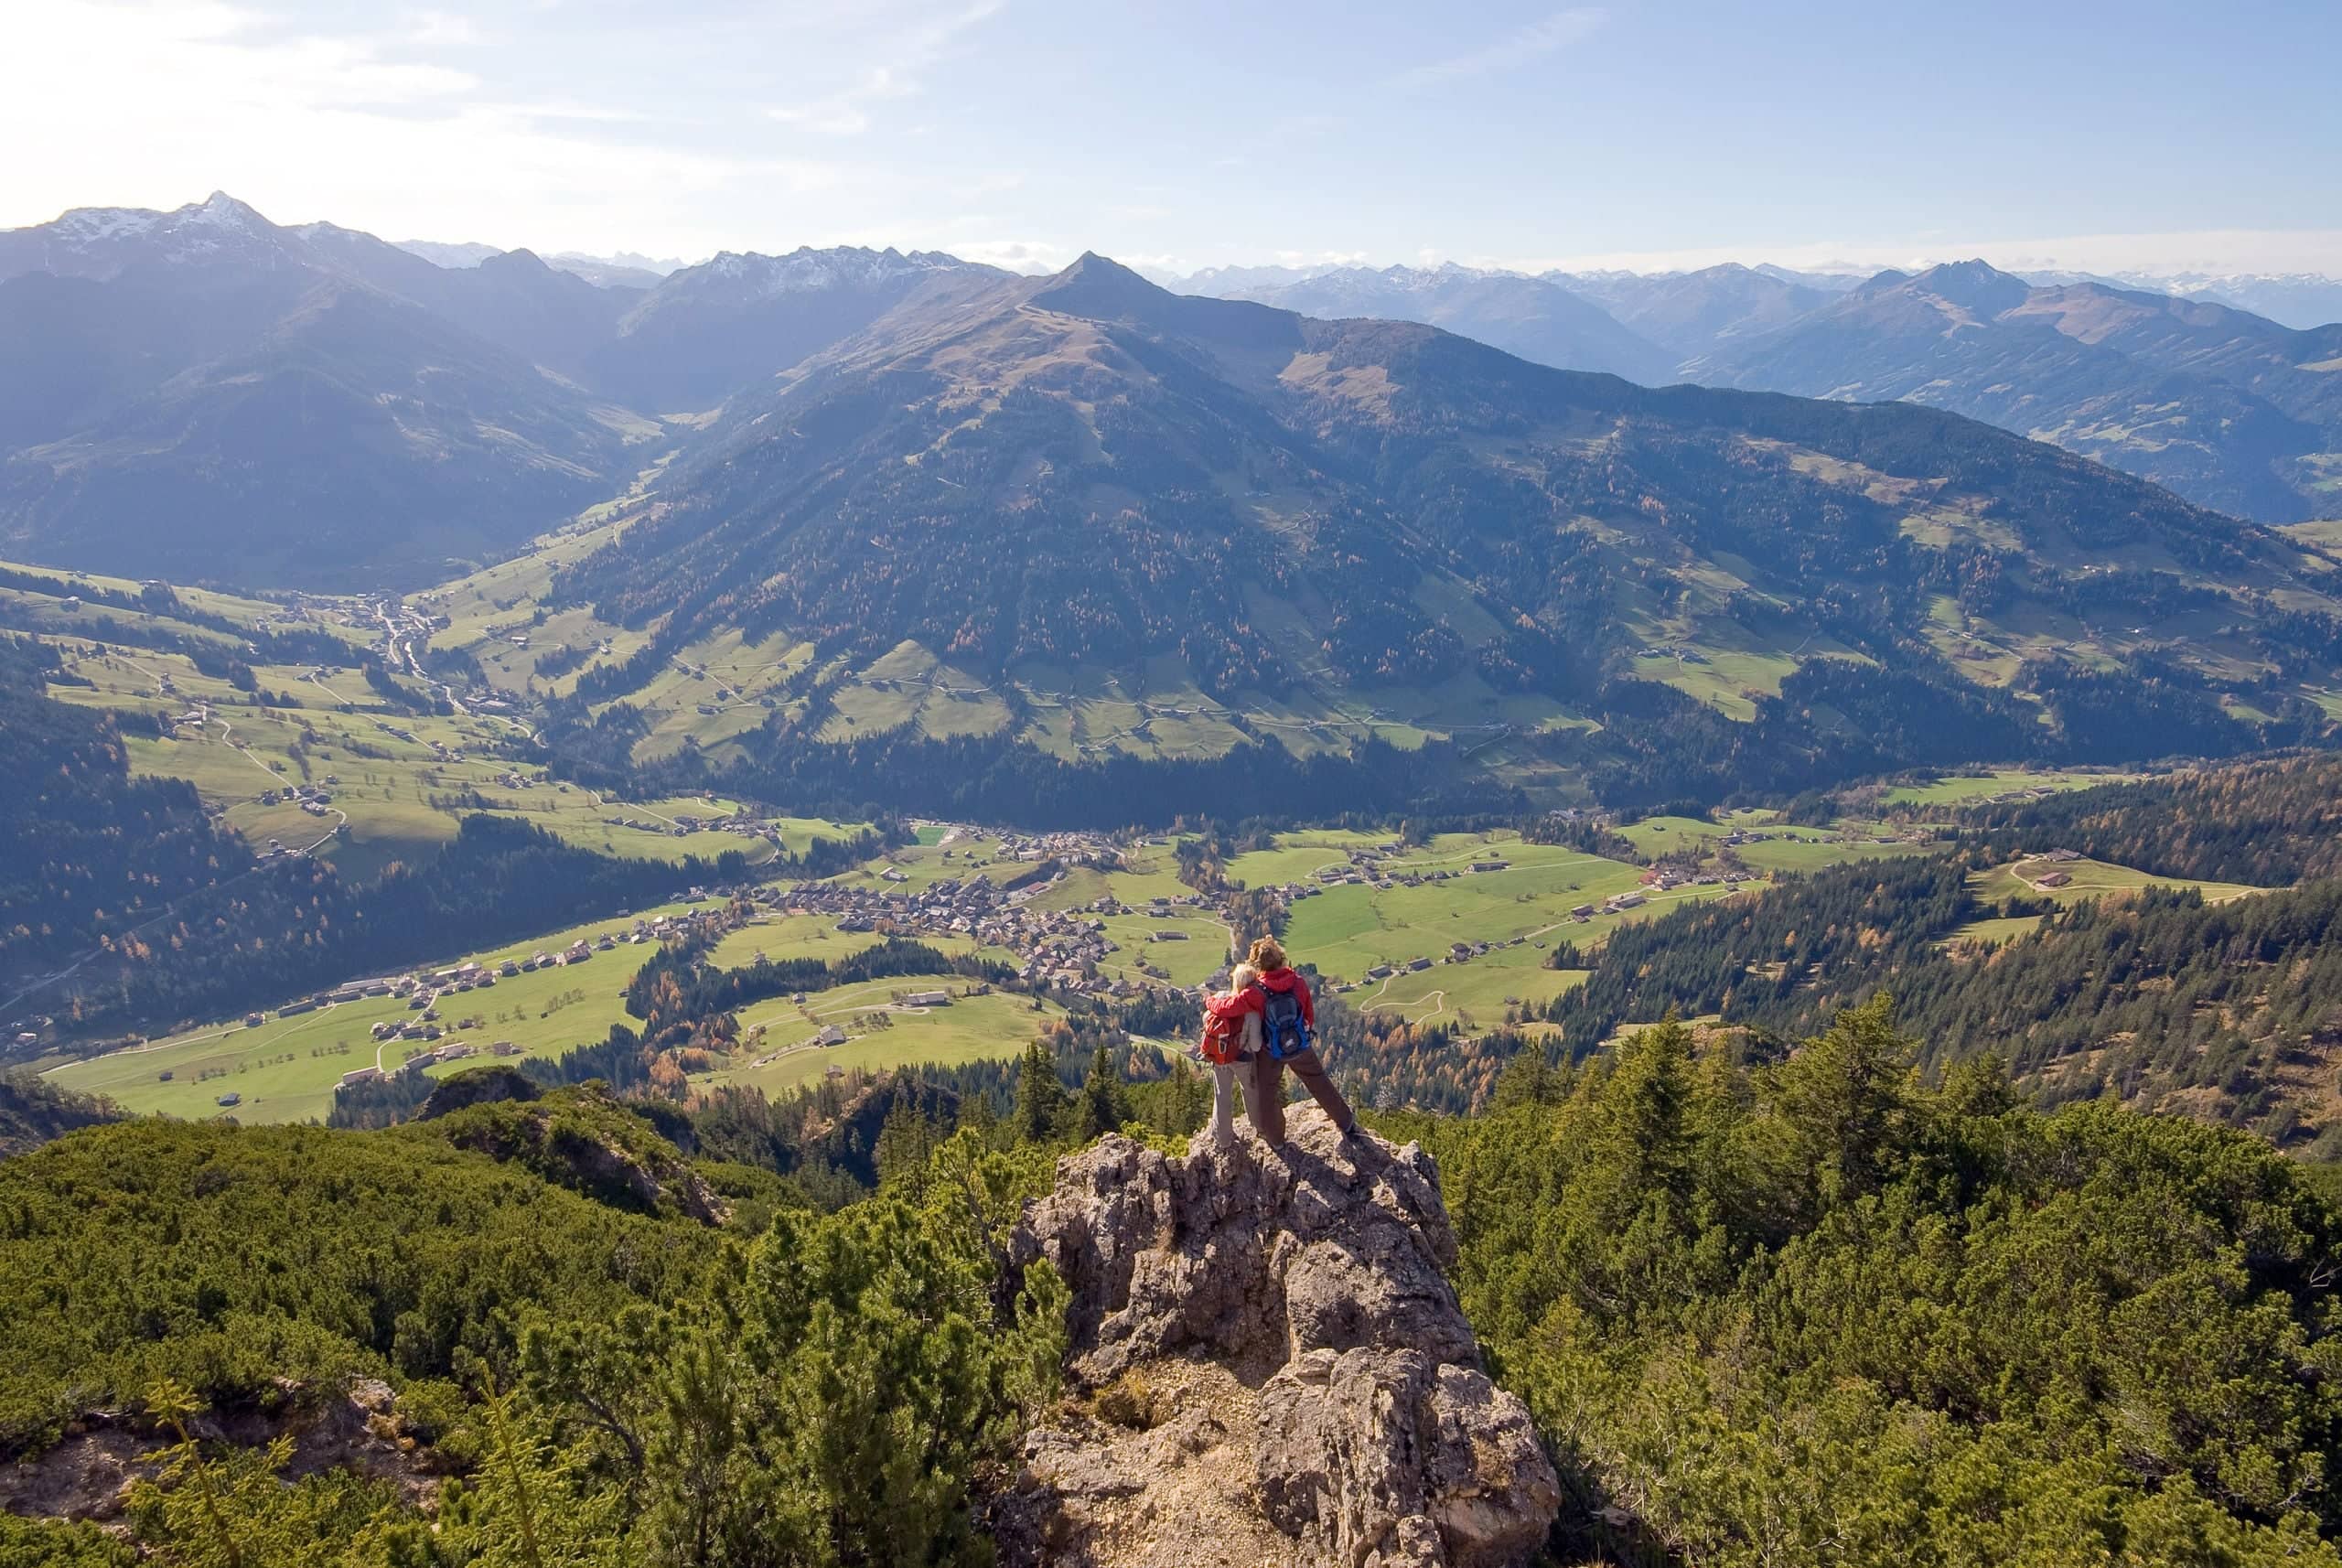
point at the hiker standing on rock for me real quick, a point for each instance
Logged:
(1280, 999)
(1231, 1039)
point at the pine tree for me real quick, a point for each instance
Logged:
(1040, 1099)
(1529, 1079)
(1105, 1105)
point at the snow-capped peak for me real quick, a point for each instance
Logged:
(806, 269)
(90, 225)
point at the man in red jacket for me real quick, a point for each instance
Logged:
(1264, 1086)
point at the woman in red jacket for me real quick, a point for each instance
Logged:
(1281, 996)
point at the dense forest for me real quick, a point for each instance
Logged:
(2231, 1011)
(292, 923)
(2267, 823)
(33, 1112)
(1833, 720)
(2228, 1011)
(87, 852)
(1814, 1312)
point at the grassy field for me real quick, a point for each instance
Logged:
(1298, 855)
(2092, 879)
(1349, 930)
(286, 1069)
(1960, 790)
(784, 937)
(880, 1034)
(1474, 995)
(1188, 962)
(1802, 853)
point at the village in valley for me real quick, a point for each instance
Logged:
(1459, 927)
(336, 728)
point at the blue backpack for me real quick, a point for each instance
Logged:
(1283, 1031)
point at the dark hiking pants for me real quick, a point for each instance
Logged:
(1264, 1091)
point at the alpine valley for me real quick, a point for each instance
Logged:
(605, 867)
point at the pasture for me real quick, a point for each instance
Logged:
(2089, 879)
(881, 1033)
(285, 1069)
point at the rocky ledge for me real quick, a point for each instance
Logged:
(1269, 1366)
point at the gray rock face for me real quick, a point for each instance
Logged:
(1359, 1419)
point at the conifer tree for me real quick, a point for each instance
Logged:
(1040, 1098)
(1105, 1105)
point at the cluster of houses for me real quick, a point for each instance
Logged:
(740, 825)
(1060, 948)
(1365, 868)
(314, 798)
(425, 989)
(1667, 875)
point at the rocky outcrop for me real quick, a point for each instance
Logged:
(88, 1473)
(1270, 1368)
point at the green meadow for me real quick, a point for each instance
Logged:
(880, 1032)
(2090, 879)
(285, 1069)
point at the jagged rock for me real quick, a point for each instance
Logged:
(1313, 1392)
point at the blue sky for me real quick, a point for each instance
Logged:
(1636, 132)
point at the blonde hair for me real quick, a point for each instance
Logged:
(1267, 954)
(1242, 975)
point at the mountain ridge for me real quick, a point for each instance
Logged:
(2219, 405)
(1261, 520)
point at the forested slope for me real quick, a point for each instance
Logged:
(1816, 1313)
(1805, 1311)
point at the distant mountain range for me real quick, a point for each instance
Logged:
(204, 394)
(1533, 317)
(213, 395)
(2224, 407)
(627, 269)
(2228, 409)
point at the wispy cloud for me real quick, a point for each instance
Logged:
(351, 126)
(847, 111)
(1534, 41)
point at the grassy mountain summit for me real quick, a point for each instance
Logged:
(1257, 517)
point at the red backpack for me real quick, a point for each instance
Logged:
(1223, 1040)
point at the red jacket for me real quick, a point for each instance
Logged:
(1251, 1001)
